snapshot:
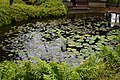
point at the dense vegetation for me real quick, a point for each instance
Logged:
(104, 66)
(114, 1)
(19, 11)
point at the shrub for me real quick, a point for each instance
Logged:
(4, 1)
(18, 11)
(104, 66)
(37, 2)
(8, 2)
(5, 17)
(54, 8)
(114, 1)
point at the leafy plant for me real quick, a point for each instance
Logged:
(103, 66)
(20, 11)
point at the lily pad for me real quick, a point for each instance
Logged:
(111, 37)
(80, 40)
(94, 46)
(77, 37)
(85, 44)
(87, 35)
(78, 45)
(83, 50)
(69, 49)
(91, 42)
(73, 50)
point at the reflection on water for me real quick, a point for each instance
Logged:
(113, 19)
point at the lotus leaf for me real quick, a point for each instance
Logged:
(78, 45)
(72, 33)
(69, 49)
(70, 36)
(70, 53)
(91, 51)
(97, 48)
(77, 37)
(79, 32)
(71, 45)
(97, 36)
(80, 40)
(103, 38)
(94, 46)
(84, 50)
(82, 37)
(85, 44)
(73, 50)
(98, 24)
(102, 41)
(87, 40)
(93, 38)
(87, 35)
(71, 42)
(98, 44)
(111, 37)
(67, 32)
(91, 42)
(10, 55)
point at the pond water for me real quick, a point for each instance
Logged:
(60, 40)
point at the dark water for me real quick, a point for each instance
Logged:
(70, 40)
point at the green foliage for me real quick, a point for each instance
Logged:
(18, 1)
(7, 70)
(19, 11)
(103, 66)
(4, 14)
(8, 1)
(114, 1)
(4, 1)
(22, 12)
(61, 71)
(95, 68)
(54, 8)
(38, 2)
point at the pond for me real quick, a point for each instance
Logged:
(60, 40)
